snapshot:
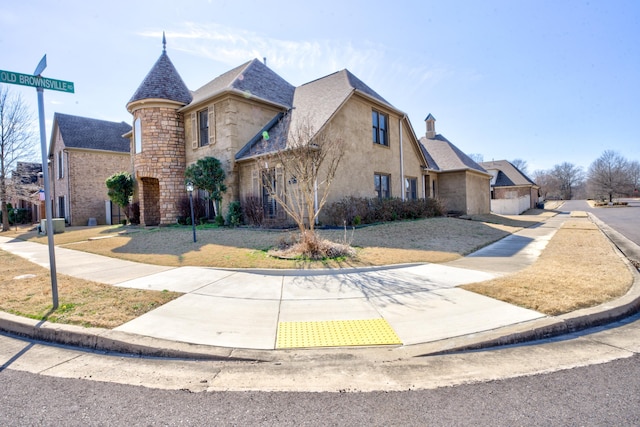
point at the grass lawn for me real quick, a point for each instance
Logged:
(427, 240)
(579, 268)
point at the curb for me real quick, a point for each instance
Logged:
(549, 327)
(110, 341)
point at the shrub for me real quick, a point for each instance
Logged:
(184, 210)
(252, 212)
(234, 215)
(134, 213)
(219, 220)
(355, 211)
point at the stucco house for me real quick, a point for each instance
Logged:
(229, 117)
(458, 181)
(83, 153)
(512, 192)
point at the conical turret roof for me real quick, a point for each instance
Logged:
(163, 82)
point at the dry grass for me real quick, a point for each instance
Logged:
(25, 290)
(427, 240)
(579, 268)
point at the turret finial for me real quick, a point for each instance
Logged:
(164, 43)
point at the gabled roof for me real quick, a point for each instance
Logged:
(507, 175)
(442, 155)
(314, 103)
(163, 82)
(93, 134)
(252, 79)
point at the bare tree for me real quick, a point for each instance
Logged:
(521, 165)
(306, 162)
(634, 178)
(16, 142)
(568, 176)
(549, 186)
(609, 175)
(476, 157)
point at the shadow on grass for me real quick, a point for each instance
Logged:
(222, 246)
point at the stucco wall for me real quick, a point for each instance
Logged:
(362, 158)
(236, 121)
(478, 194)
(452, 191)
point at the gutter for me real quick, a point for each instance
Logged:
(402, 195)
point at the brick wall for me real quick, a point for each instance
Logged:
(88, 171)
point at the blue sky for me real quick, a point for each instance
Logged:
(544, 81)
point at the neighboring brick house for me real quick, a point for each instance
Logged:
(83, 153)
(26, 183)
(227, 118)
(458, 181)
(512, 192)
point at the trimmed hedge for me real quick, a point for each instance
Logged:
(358, 210)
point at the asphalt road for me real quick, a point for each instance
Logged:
(587, 379)
(625, 220)
(597, 395)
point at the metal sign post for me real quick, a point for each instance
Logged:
(42, 83)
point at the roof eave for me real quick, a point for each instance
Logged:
(230, 91)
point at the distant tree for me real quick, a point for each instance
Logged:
(634, 177)
(549, 186)
(521, 165)
(120, 190)
(609, 175)
(207, 174)
(16, 142)
(476, 157)
(568, 177)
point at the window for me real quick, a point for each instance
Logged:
(382, 184)
(203, 123)
(269, 188)
(61, 207)
(60, 164)
(379, 126)
(137, 135)
(410, 188)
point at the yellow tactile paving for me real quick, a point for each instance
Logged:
(336, 333)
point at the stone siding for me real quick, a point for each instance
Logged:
(162, 158)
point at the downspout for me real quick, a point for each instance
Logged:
(68, 198)
(401, 160)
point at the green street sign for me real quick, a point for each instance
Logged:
(35, 81)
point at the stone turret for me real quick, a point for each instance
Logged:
(158, 150)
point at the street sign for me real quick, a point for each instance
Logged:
(35, 81)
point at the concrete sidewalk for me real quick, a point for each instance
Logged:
(247, 309)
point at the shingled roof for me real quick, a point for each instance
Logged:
(163, 82)
(315, 103)
(93, 134)
(252, 79)
(508, 175)
(442, 155)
